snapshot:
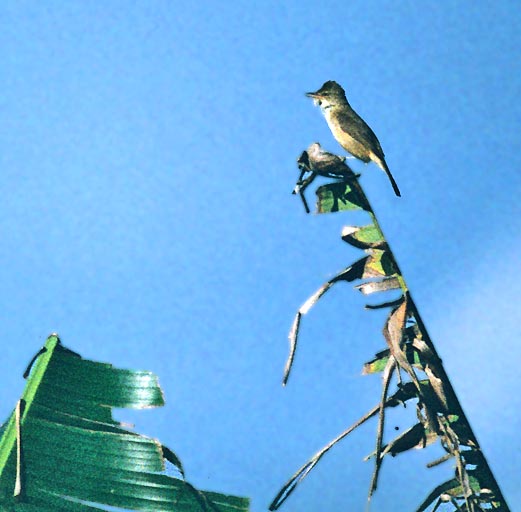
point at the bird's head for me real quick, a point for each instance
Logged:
(314, 149)
(331, 93)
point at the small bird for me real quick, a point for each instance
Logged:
(349, 129)
(324, 163)
(319, 162)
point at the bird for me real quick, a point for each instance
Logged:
(319, 162)
(349, 129)
(324, 163)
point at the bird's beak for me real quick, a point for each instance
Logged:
(317, 98)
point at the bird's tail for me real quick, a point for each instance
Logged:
(381, 163)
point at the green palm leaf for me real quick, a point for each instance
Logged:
(62, 451)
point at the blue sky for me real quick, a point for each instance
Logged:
(147, 155)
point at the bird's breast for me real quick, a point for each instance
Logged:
(345, 139)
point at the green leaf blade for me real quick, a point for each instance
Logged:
(77, 458)
(338, 197)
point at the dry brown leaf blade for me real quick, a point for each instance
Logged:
(380, 263)
(386, 378)
(388, 304)
(399, 397)
(355, 271)
(293, 337)
(383, 285)
(393, 330)
(431, 364)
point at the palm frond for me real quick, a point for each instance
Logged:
(62, 451)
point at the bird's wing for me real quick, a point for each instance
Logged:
(353, 124)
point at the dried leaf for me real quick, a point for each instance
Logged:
(349, 274)
(389, 304)
(311, 301)
(393, 330)
(415, 437)
(383, 285)
(431, 365)
(386, 381)
(380, 263)
(355, 271)
(440, 460)
(473, 456)
(399, 397)
(405, 392)
(394, 334)
(293, 336)
(450, 488)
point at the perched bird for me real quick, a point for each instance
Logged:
(324, 163)
(319, 162)
(349, 129)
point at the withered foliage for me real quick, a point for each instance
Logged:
(408, 362)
